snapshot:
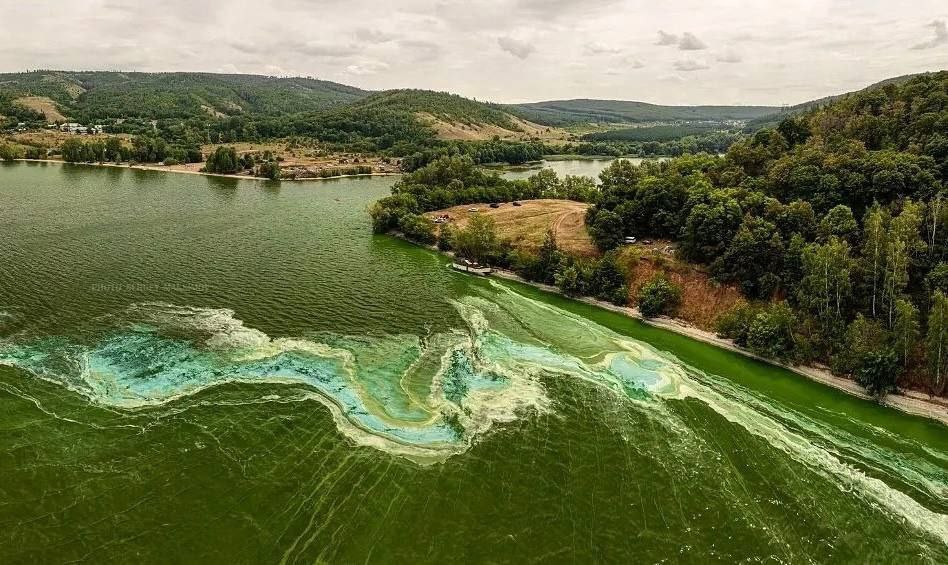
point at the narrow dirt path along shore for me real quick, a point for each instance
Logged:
(911, 402)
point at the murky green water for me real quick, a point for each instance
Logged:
(210, 370)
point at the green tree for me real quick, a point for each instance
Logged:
(478, 240)
(607, 229)
(8, 152)
(269, 170)
(905, 329)
(771, 332)
(608, 280)
(753, 259)
(839, 222)
(875, 243)
(417, 227)
(658, 296)
(936, 343)
(573, 279)
(826, 286)
(878, 372)
(904, 243)
(548, 260)
(223, 161)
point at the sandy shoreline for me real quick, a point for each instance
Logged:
(910, 402)
(169, 169)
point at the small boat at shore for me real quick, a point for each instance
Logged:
(472, 267)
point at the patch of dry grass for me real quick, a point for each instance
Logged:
(526, 226)
(452, 131)
(43, 105)
(703, 301)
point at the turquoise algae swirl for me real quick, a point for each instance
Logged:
(431, 397)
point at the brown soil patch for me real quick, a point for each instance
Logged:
(526, 226)
(456, 131)
(42, 105)
(703, 301)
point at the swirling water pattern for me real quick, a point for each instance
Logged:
(310, 391)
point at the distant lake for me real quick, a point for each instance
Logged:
(563, 167)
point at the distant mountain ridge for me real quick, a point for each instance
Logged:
(586, 110)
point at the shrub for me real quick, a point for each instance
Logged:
(735, 324)
(771, 333)
(417, 228)
(659, 296)
(268, 170)
(878, 372)
(608, 281)
(9, 152)
(224, 161)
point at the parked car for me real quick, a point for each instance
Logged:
(494, 205)
(515, 203)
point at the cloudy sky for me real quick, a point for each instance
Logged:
(675, 52)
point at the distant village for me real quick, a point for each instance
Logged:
(71, 127)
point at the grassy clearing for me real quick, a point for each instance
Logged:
(42, 105)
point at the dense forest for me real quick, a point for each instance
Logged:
(99, 96)
(834, 224)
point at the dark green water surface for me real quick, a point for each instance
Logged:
(201, 370)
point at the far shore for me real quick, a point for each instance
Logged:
(908, 401)
(171, 169)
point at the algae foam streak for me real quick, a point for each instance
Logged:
(198, 368)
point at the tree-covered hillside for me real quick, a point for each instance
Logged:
(834, 225)
(441, 105)
(91, 96)
(569, 112)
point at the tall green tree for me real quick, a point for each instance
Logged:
(904, 242)
(827, 282)
(478, 240)
(875, 242)
(936, 343)
(905, 329)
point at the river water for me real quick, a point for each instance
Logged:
(196, 369)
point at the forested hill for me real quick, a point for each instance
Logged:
(274, 106)
(440, 105)
(773, 119)
(568, 112)
(99, 95)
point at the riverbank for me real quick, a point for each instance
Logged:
(172, 169)
(908, 401)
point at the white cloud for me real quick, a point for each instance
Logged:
(689, 42)
(666, 38)
(516, 47)
(633, 63)
(367, 68)
(599, 48)
(689, 65)
(374, 36)
(941, 36)
(790, 52)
